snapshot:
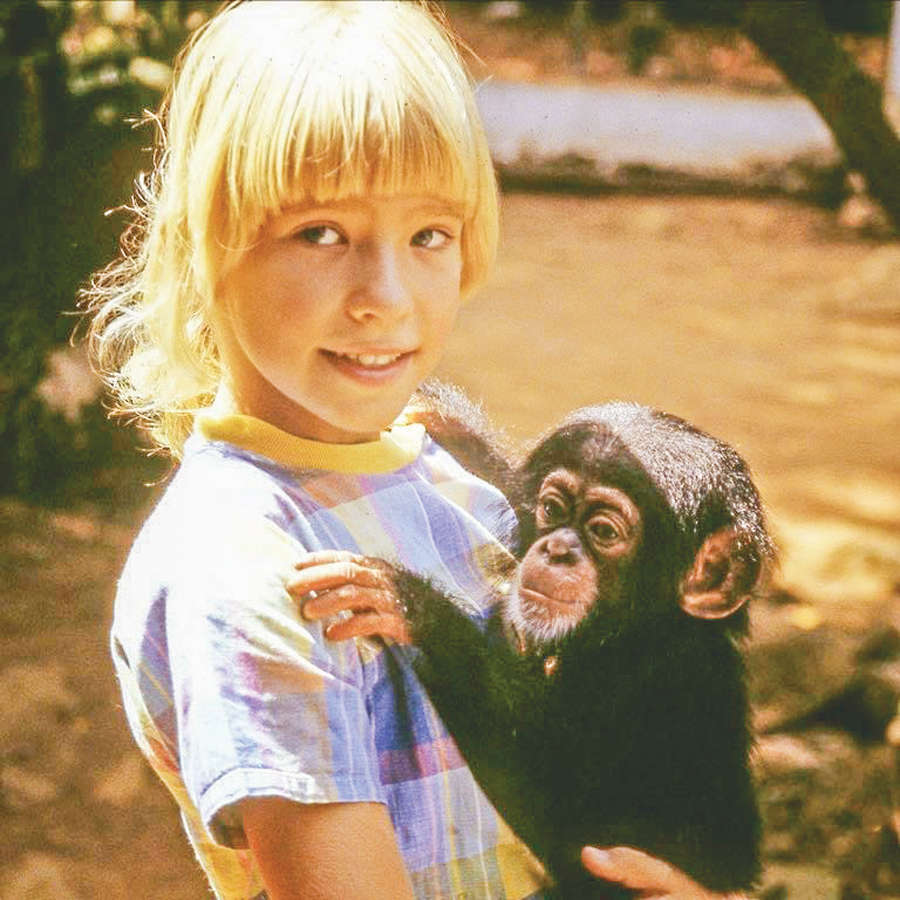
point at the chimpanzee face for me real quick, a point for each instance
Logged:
(586, 534)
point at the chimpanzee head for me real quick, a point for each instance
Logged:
(629, 514)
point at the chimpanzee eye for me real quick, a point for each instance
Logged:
(551, 510)
(603, 531)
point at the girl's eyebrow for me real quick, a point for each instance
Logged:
(441, 207)
(435, 206)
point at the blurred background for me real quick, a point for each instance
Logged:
(700, 212)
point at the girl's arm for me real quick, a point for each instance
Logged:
(311, 852)
(325, 851)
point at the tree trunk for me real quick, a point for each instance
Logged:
(795, 37)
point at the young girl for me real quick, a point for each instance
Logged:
(323, 200)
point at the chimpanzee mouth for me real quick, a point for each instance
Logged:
(539, 598)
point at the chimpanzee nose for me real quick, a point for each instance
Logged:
(562, 545)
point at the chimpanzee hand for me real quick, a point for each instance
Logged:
(331, 582)
(652, 878)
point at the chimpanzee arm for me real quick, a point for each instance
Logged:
(461, 427)
(482, 678)
(487, 695)
(468, 675)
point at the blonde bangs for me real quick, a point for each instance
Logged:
(314, 161)
(409, 156)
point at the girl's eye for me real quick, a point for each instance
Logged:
(320, 235)
(430, 238)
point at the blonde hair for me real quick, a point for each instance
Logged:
(271, 103)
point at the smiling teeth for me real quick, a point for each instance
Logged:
(372, 359)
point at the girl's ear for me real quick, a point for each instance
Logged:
(722, 578)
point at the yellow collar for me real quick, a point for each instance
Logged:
(395, 448)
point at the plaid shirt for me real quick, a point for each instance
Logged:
(231, 694)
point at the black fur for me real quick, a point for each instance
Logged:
(641, 734)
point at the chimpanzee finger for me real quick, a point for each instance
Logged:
(369, 624)
(349, 598)
(318, 557)
(323, 576)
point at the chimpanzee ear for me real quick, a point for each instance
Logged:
(722, 578)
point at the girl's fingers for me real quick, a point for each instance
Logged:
(370, 624)
(651, 877)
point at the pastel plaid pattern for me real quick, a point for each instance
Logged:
(231, 694)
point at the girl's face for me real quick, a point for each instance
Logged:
(335, 315)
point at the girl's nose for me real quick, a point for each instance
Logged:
(380, 289)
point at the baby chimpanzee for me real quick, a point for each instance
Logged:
(616, 711)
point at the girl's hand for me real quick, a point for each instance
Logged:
(332, 582)
(652, 878)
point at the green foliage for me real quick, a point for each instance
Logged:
(858, 17)
(49, 459)
(66, 156)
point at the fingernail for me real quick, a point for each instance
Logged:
(308, 611)
(595, 855)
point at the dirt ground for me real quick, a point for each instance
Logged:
(762, 321)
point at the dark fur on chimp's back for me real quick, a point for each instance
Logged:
(641, 735)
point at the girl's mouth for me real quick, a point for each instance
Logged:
(370, 367)
(369, 360)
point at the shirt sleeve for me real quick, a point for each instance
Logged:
(264, 706)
